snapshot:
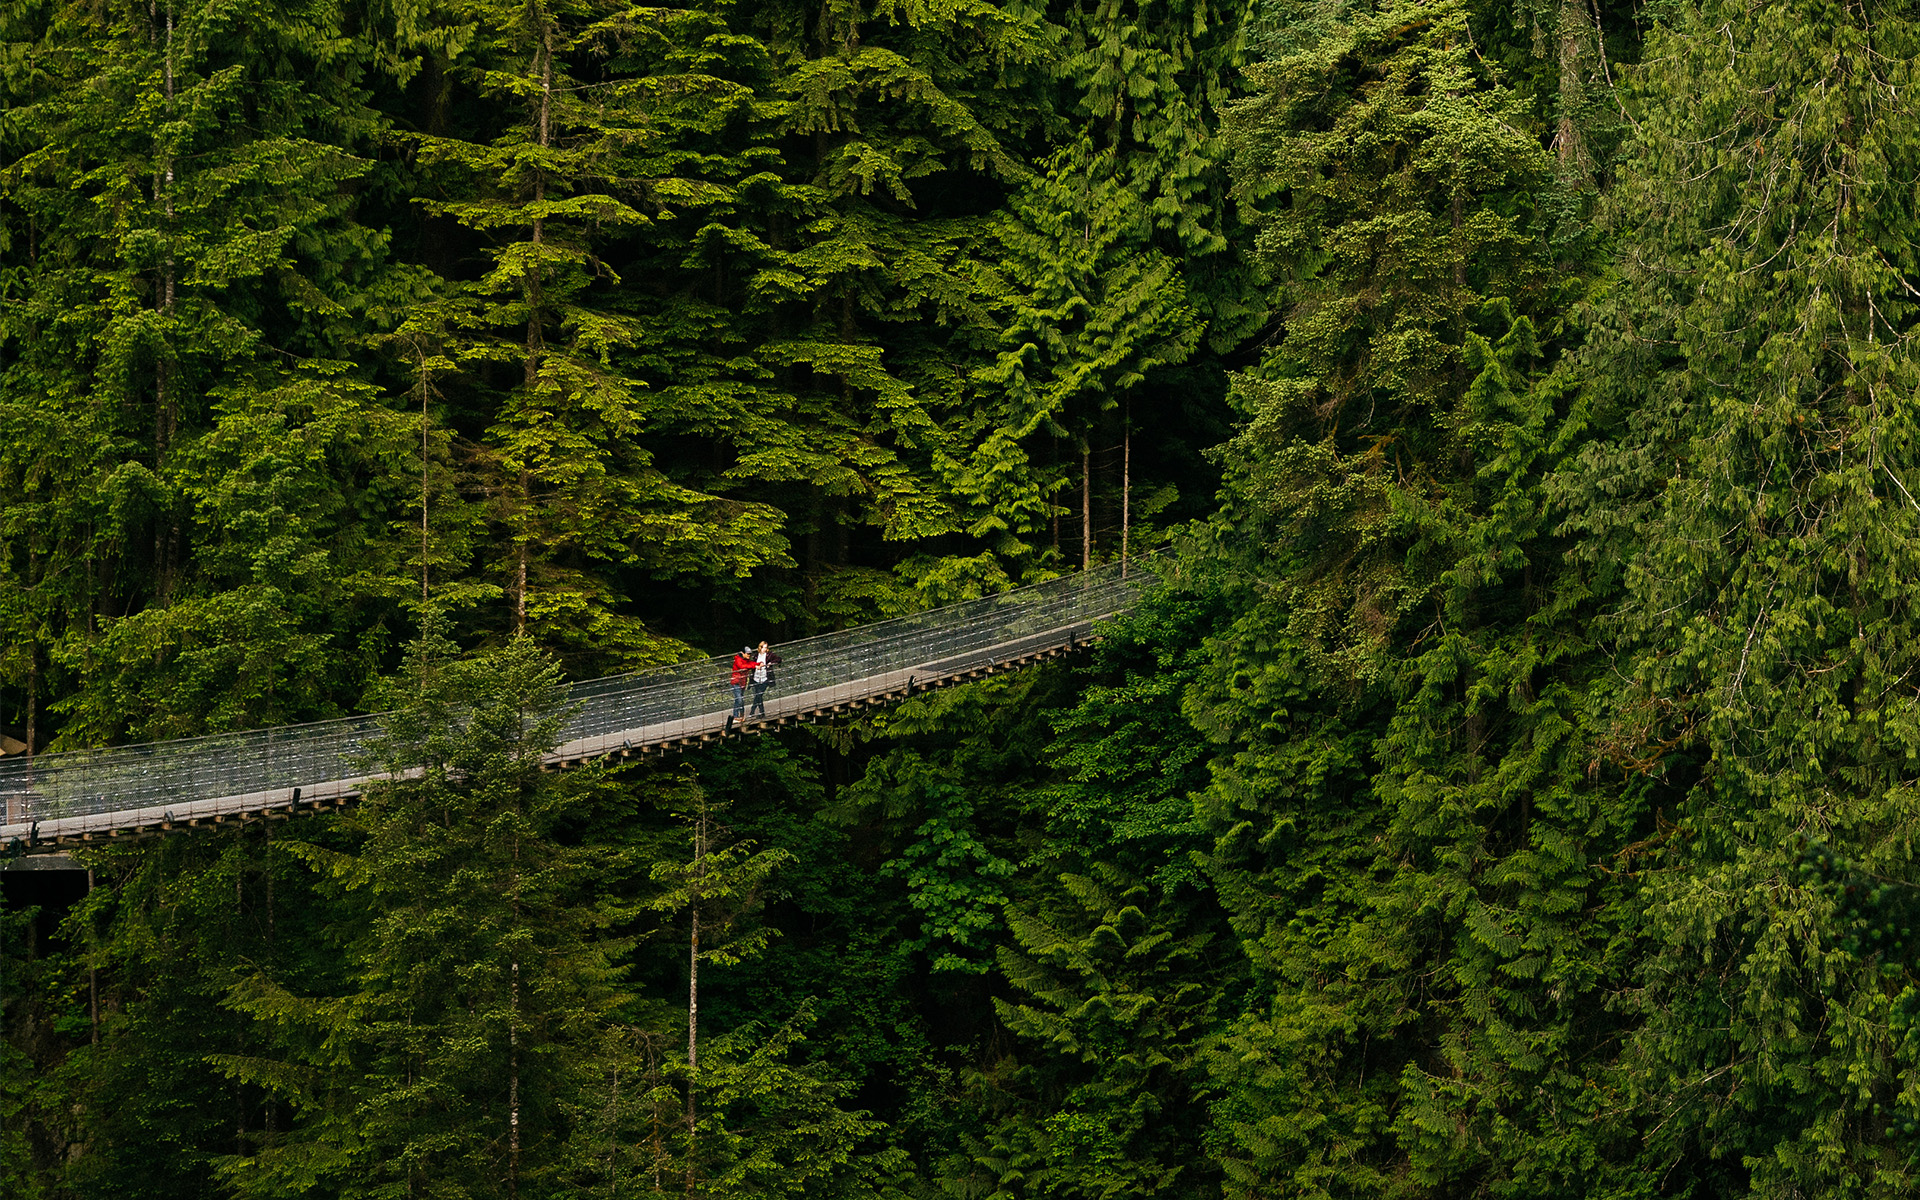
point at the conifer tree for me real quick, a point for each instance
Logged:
(749, 1119)
(1120, 967)
(1153, 82)
(713, 887)
(126, 1015)
(547, 185)
(481, 971)
(1403, 835)
(1121, 1003)
(814, 304)
(1086, 309)
(1754, 375)
(189, 434)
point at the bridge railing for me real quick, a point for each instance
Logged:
(657, 704)
(840, 664)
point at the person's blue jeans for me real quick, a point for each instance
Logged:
(739, 699)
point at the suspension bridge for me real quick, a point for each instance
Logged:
(57, 800)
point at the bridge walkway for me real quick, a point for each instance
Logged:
(58, 800)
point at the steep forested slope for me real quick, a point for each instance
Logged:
(1508, 792)
(630, 329)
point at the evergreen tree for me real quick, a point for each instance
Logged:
(480, 973)
(1405, 845)
(1753, 374)
(749, 1119)
(1123, 999)
(123, 1015)
(1152, 83)
(1086, 310)
(191, 444)
(813, 306)
(548, 185)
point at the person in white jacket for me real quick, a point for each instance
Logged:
(764, 663)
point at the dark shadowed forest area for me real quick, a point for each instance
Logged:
(1510, 789)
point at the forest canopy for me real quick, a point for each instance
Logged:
(1508, 789)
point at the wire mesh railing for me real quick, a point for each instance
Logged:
(640, 709)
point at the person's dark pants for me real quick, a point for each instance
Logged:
(739, 700)
(760, 699)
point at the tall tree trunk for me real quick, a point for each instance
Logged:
(520, 574)
(1459, 295)
(1126, 485)
(613, 1135)
(268, 1120)
(536, 334)
(1575, 30)
(166, 537)
(93, 975)
(816, 556)
(513, 1084)
(424, 594)
(1086, 501)
(1055, 507)
(266, 877)
(513, 1031)
(659, 1130)
(693, 986)
(234, 1088)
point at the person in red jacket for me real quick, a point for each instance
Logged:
(744, 662)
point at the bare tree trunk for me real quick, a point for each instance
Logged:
(93, 976)
(1459, 296)
(233, 1086)
(1575, 30)
(1056, 507)
(513, 1032)
(693, 999)
(1086, 502)
(693, 1042)
(653, 1112)
(693, 987)
(520, 577)
(513, 1085)
(536, 336)
(424, 595)
(613, 1137)
(267, 1116)
(1126, 485)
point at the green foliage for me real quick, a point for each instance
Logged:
(1086, 312)
(1751, 487)
(1507, 790)
(953, 881)
(1405, 843)
(480, 969)
(190, 444)
(566, 173)
(1126, 1000)
(1125, 760)
(548, 316)
(774, 1129)
(129, 994)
